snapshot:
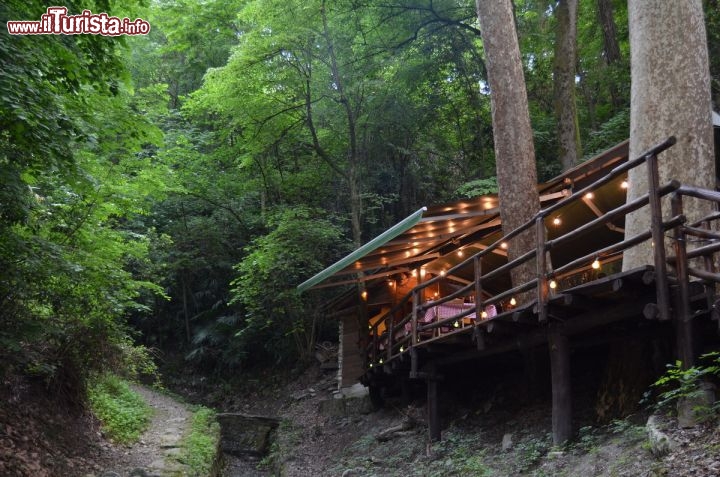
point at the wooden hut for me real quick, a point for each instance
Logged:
(435, 289)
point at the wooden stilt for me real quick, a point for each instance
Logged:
(561, 388)
(683, 315)
(432, 405)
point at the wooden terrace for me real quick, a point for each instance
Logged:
(482, 314)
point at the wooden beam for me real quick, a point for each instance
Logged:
(561, 386)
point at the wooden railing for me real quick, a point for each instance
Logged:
(396, 340)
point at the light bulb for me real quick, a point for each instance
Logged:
(596, 264)
(504, 245)
(513, 301)
(557, 221)
(589, 195)
(624, 184)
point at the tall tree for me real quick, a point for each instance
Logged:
(670, 96)
(568, 131)
(611, 46)
(514, 149)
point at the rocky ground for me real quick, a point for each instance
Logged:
(486, 435)
(485, 438)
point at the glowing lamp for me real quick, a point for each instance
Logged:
(596, 264)
(513, 301)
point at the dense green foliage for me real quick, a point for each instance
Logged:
(181, 184)
(123, 412)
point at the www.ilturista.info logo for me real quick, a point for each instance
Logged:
(57, 22)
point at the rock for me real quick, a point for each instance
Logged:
(507, 442)
(352, 473)
(555, 454)
(346, 406)
(660, 443)
(689, 409)
(299, 396)
(357, 390)
(245, 435)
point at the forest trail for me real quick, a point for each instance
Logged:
(155, 450)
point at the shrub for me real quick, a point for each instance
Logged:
(678, 383)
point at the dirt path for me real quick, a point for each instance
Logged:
(155, 450)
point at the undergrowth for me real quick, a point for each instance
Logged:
(200, 447)
(123, 413)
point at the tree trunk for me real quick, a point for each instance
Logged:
(564, 84)
(670, 95)
(514, 149)
(611, 47)
(607, 22)
(353, 156)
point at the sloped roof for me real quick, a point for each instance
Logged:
(439, 230)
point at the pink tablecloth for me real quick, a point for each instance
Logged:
(446, 310)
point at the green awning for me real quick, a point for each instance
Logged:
(378, 241)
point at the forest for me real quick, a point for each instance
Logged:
(166, 193)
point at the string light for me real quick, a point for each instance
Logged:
(596, 264)
(443, 273)
(557, 221)
(513, 301)
(624, 184)
(553, 284)
(381, 361)
(504, 245)
(483, 315)
(456, 324)
(589, 196)
(402, 349)
(460, 253)
(364, 295)
(414, 273)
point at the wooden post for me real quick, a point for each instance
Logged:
(683, 315)
(391, 335)
(413, 325)
(542, 290)
(479, 307)
(661, 281)
(561, 386)
(477, 262)
(432, 405)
